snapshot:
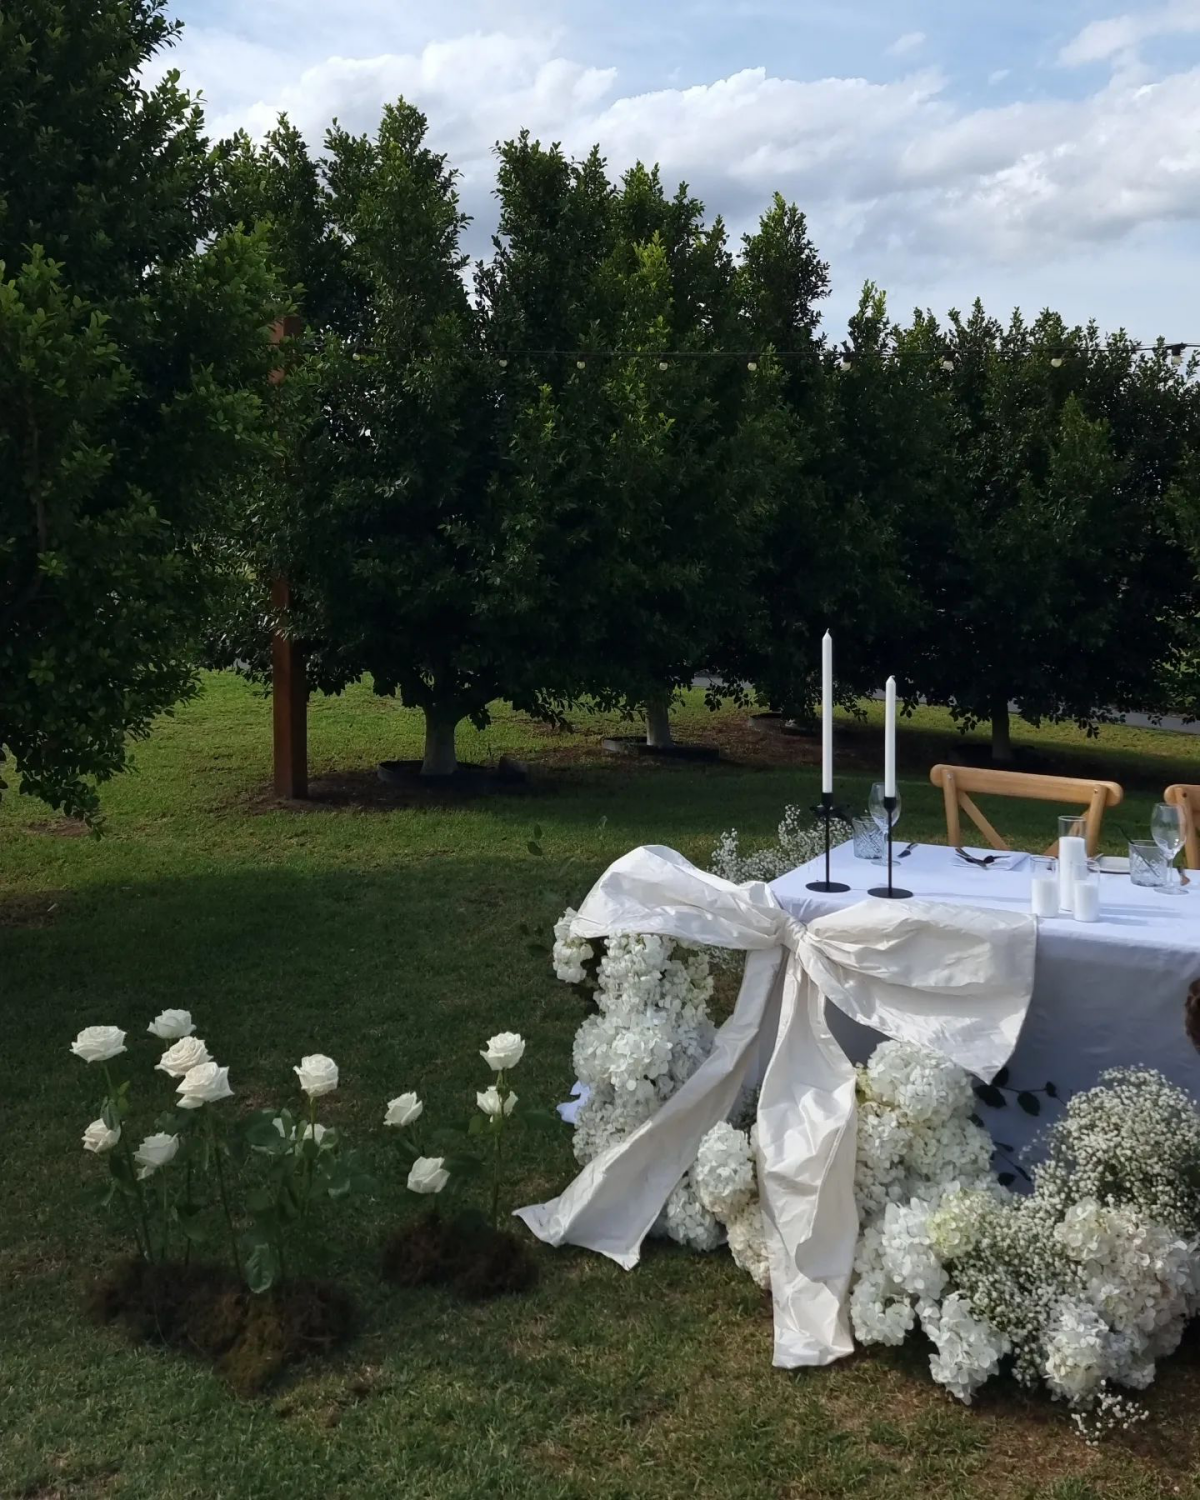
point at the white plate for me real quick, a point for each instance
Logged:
(1113, 864)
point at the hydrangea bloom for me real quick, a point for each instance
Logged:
(650, 1033)
(1084, 1282)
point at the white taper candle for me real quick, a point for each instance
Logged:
(827, 713)
(889, 739)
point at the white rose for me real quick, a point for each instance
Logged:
(504, 1050)
(317, 1074)
(428, 1175)
(491, 1103)
(98, 1043)
(403, 1110)
(187, 1053)
(154, 1152)
(98, 1137)
(204, 1084)
(170, 1025)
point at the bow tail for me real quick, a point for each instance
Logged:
(613, 1203)
(806, 1152)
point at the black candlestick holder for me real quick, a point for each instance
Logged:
(890, 892)
(826, 812)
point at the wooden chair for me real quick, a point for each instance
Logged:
(958, 783)
(1187, 797)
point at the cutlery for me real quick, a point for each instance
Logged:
(904, 853)
(984, 864)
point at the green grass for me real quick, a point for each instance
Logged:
(387, 938)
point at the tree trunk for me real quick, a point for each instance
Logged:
(440, 758)
(658, 721)
(1002, 751)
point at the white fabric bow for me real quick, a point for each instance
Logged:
(956, 980)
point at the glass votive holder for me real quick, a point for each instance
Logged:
(1148, 864)
(870, 841)
(1043, 888)
(1085, 892)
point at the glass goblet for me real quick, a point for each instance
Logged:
(1168, 832)
(875, 806)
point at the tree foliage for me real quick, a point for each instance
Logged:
(133, 363)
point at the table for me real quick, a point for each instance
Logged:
(1106, 994)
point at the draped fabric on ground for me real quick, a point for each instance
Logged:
(955, 980)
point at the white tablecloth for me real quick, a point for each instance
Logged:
(1106, 994)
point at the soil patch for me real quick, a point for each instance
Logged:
(363, 791)
(30, 909)
(464, 1253)
(61, 828)
(205, 1310)
(632, 744)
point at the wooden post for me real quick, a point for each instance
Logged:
(289, 683)
(289, 706)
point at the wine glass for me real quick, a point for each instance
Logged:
(1166, 827)
(879, 812)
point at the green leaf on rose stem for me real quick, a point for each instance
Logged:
(463, 1165)
(339, 1183)
(479, 1123)
(535, 849)
(195, 1228)
(1030, 1103)
(989, 1094)
(260, 1200)
(407, 1149)
(260, 1261)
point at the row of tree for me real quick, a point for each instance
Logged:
(616, 452)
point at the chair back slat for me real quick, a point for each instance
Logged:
(1187, 797)
(958, 783)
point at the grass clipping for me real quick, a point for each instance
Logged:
(207, 1311)
(464, 1253)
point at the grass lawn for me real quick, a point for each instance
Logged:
(386, 936)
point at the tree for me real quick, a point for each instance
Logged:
(134, 355)
(1047, 556)
(663, 445)
(416, 550)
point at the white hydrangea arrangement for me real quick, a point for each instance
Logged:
(650, 1033)
(1082, 1284)
(796, 842)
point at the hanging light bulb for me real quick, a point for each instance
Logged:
(581, 364)
(752, 363)
(1177, 355)
(1056, 361)
(503, 363)
(662, 364)
(845, 363)
(947, 364)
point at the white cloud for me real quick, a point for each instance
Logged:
(1117, 37)
(911, 41)
(998, 75)
(900, 182)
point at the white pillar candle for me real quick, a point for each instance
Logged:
(827, 713)
(1043, 893)
(889, 739)
(1072, 866)
(1085, 898)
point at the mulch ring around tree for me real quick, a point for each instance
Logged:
(632, 744)
(464, 1253)
(206, 1310)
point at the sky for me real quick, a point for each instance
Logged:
(1033, 153)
